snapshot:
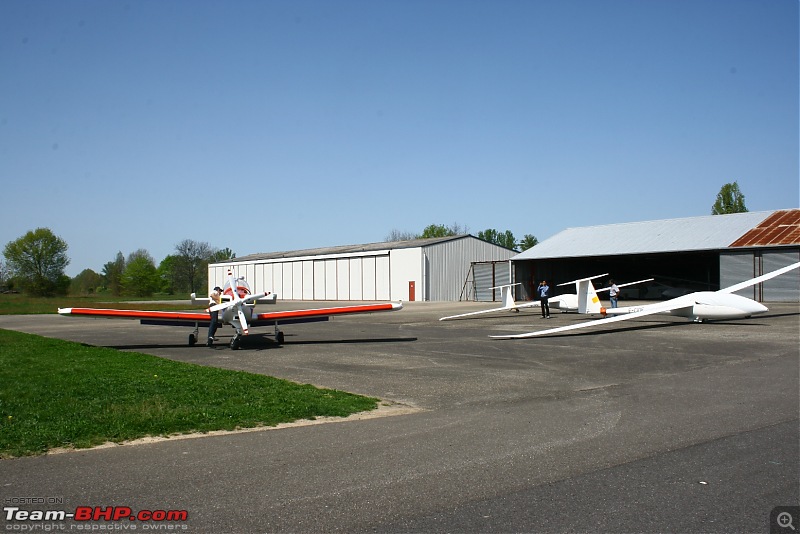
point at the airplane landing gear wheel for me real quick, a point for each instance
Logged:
(236, 341)
(279, 338)
(192, 340)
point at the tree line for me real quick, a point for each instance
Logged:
(504, 239)
(35, 262)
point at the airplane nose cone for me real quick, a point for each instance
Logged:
(757, 307)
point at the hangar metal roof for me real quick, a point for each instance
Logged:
(780, 228)
(710, 232)
(350, 249)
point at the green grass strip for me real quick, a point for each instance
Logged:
(20, 304)
(57, 393)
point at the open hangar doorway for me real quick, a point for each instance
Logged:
(673, 273)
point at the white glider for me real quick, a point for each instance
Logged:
(584, 300)
(508, 303)
(699, 306)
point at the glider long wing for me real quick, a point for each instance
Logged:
(493, 310)
(650, 309)
(757, 280)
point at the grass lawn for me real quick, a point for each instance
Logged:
(57, 393)
(20, 304)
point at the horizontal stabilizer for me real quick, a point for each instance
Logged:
(628, 284)
(583, 280)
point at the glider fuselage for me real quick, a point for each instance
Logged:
(703, 306)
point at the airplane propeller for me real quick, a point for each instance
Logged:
(237, 302)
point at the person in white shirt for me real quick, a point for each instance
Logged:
(613, 293)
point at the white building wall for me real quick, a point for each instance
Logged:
(368, 265)
(356, 278)
(343, 279)
(382, 278)
(406, 266)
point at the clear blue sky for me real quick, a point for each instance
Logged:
(267, 125)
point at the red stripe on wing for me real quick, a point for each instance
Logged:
(326, 312)
(138, 314)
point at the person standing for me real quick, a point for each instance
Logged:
(215, 298)
(544, 294)
(613, 293)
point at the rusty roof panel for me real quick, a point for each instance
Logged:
(780, 228)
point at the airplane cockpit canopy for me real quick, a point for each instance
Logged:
(242, 288)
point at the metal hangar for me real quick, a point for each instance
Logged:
(432, 269)
(687, 254)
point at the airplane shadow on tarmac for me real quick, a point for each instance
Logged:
(346, 341)
(257, 342)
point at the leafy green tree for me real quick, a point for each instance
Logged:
(192, 258)
(221, 255)
(504, 239)
(440, 230)
(435, 230)
(528, 241)
(168, 277)
(112, 274)
(140, 277)
(398, 235)
(37, 261)
(729, 200)
(490, 235)
(5, 275)
(86, 283)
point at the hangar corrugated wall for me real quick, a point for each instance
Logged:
(447, 269)
(737, 266)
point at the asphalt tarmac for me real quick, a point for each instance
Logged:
(653, 425)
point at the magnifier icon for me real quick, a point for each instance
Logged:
(785, 520)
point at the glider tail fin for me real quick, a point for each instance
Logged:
(508, 296)
(588, 301)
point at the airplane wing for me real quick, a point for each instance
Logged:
(650, 309)
(277, 317)
(757, 280)
(493, 310)
(508, 303)
(202, 318)
(626, 285)
(178, 318)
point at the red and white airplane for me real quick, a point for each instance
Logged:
(237, 310)
(699, 307)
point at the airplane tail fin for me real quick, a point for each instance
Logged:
(588, 301)
(508, 296)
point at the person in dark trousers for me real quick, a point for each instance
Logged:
(544, 294)
(216, 298)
